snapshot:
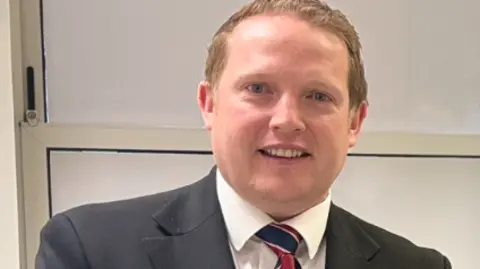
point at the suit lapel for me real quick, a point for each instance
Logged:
(348, 245)
(193, 230)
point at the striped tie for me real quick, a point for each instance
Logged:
(283, 240)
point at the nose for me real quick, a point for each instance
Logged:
(286, 117)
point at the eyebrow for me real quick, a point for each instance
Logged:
(323, 85)
(254, 76)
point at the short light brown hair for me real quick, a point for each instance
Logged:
(315, 12)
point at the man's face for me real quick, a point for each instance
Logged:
(279, 117)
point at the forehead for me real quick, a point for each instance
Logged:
(284, 28)
(284, 40)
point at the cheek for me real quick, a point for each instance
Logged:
(332, 133)
(243, 117)
(245, 129)
(238, 125)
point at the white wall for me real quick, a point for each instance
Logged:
(9, 220)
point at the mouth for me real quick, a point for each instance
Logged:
(286, 154)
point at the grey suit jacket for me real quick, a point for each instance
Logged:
(184, 228)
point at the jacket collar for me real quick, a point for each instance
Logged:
(348, 244)
(193, 231)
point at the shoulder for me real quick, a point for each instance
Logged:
(397, 247)
(89, 233)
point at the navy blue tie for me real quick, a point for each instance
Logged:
(283, 240)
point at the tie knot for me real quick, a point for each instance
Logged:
(282, 239)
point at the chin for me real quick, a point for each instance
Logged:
(279, 189)
(282, 205)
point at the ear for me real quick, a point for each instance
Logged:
(357, 117)
(205, 99)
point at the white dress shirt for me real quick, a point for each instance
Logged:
(243, 220)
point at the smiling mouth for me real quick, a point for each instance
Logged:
(284, 153)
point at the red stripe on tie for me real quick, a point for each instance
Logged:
(287, 261)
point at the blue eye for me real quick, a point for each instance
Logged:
(256, 88)
(318, 96)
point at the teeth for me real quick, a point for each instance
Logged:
(286, 153)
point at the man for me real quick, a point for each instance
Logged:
(284, 99)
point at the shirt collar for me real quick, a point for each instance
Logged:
(311, 224)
